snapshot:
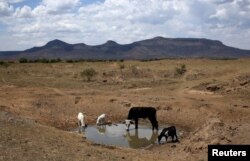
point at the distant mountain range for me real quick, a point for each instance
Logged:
(155, 48)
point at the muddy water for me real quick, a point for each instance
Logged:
(118, 136)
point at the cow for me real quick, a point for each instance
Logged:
(141, 112)
(81, 122)
(101, 120)
(166, 132)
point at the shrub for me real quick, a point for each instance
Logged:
(55, 60)
(180, 70)
(58, 60)
(44, 60)
(23, 60)
(70, 61)
(4, 64)
(88, 73)
(122, 66)
(134, 70)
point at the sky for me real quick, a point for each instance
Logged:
(28, 23)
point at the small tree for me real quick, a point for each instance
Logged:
(180, 70)
(88, 73)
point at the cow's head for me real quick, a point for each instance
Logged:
(127, 123)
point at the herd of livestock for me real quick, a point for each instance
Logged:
(133, 116)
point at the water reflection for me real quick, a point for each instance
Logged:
(136, 141)
(81, 129)
(117, 135)
(101, 129)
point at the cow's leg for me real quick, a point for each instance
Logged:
(166, 137)
(156, 125)
(172, 138)
(136, 123)
(153, 122)
(176, 138)
(79, 126)
(153, 125)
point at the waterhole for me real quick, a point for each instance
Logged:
(117, 135)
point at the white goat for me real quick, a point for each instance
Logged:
(81, 121)
(101, 119)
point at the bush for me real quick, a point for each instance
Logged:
(69, 61)
(23, 60)
(4, 64)
(121, 66)
(88, 73)
(135, 70)
(44, 60)
(55, 60)
(180, 70)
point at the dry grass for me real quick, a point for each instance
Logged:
(53, 94)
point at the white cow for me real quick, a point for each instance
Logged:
(81, 121)
(127, 123)
(101, 120)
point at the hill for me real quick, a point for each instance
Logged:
(155, 48)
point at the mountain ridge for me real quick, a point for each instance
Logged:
(155, 48)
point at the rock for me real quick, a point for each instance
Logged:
(215, 141)
(213, 87)
(112, 100)
(167, 108)
(84, 136)
(126, 104)
(173, 146)
(77, 99)
(244, 83)
(187, 149)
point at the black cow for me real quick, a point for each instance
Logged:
(166, 132)
(142, 112)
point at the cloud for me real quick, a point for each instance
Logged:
(5, 9)
(233, 14)
(23, 12)
(12, 1)
(56, 6)
(126, 21)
